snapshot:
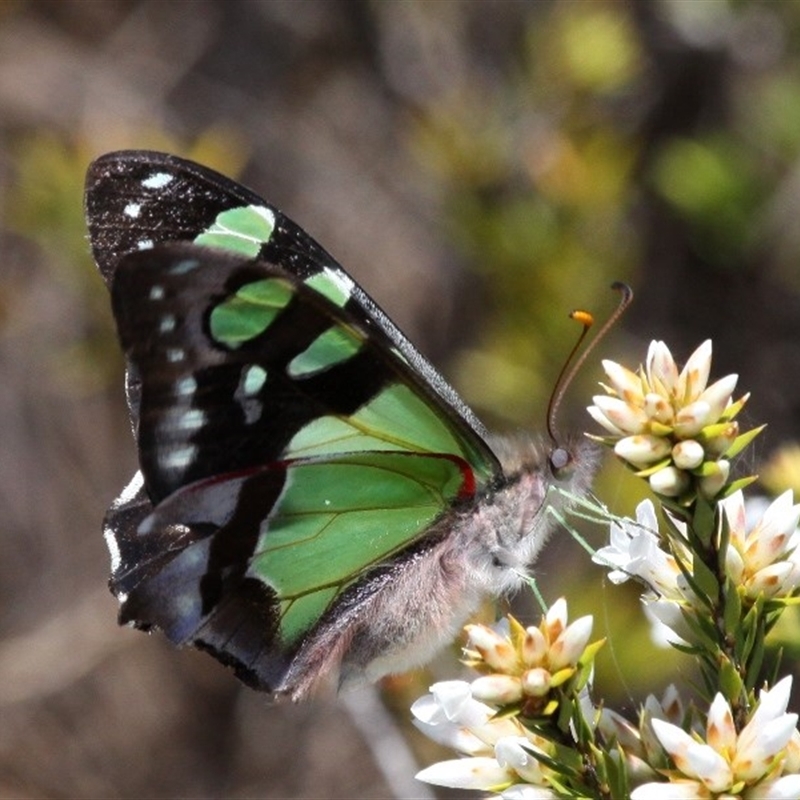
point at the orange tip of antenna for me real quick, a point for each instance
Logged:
(584, 317)
(567, 374)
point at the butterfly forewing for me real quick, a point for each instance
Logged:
(136, 200)
(242, 366)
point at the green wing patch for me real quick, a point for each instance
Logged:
(250, 311)
(331, 347)
(335, 518)
(243, 230)
(397, 419)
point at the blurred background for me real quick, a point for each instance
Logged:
(481, 168)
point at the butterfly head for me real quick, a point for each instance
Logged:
(507, 531)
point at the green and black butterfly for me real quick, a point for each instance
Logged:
(315, 503)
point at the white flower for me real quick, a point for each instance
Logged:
(670, 709)
(766, 559)
(634, 552)
(522, 665)
(667, 624)
(658, 396)
(452, 717)
(500, 750)
(744, 765)
(515, 752)
(631, 543)
(479, 772)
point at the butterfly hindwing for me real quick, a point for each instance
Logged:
(249, 565)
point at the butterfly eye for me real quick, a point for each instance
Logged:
(560, 463)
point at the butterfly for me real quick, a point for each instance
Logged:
(315, 504)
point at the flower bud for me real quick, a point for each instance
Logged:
(669, 481)
(499, 690)
(569, 646)
(769, 580)
(536, 682)
(534, 647)
(711, 485)
(718, 445)
(658, 408)
(691, 419)
(495, 650)
(642, 450)
(629, 419)
(718, 395)
(627, 384)
(688, 454)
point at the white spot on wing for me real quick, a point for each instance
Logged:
(156, 292)
(253, 409)
(130, 491)
(253, 378)
(167, 324)
(179, 458)
(158, 180)
(113, 548)
(132, 210)
(185, 386)
(191, 419)
(175, 354)
(182, 267)
(145, 244)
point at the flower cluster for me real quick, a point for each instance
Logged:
(528, 674)
(718, 573)
(634, 552)
(765, 560)
(761, 560)
(760, 761)
(528, 664)
(717, 578)
(670, 426)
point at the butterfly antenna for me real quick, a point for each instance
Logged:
(568, 373)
